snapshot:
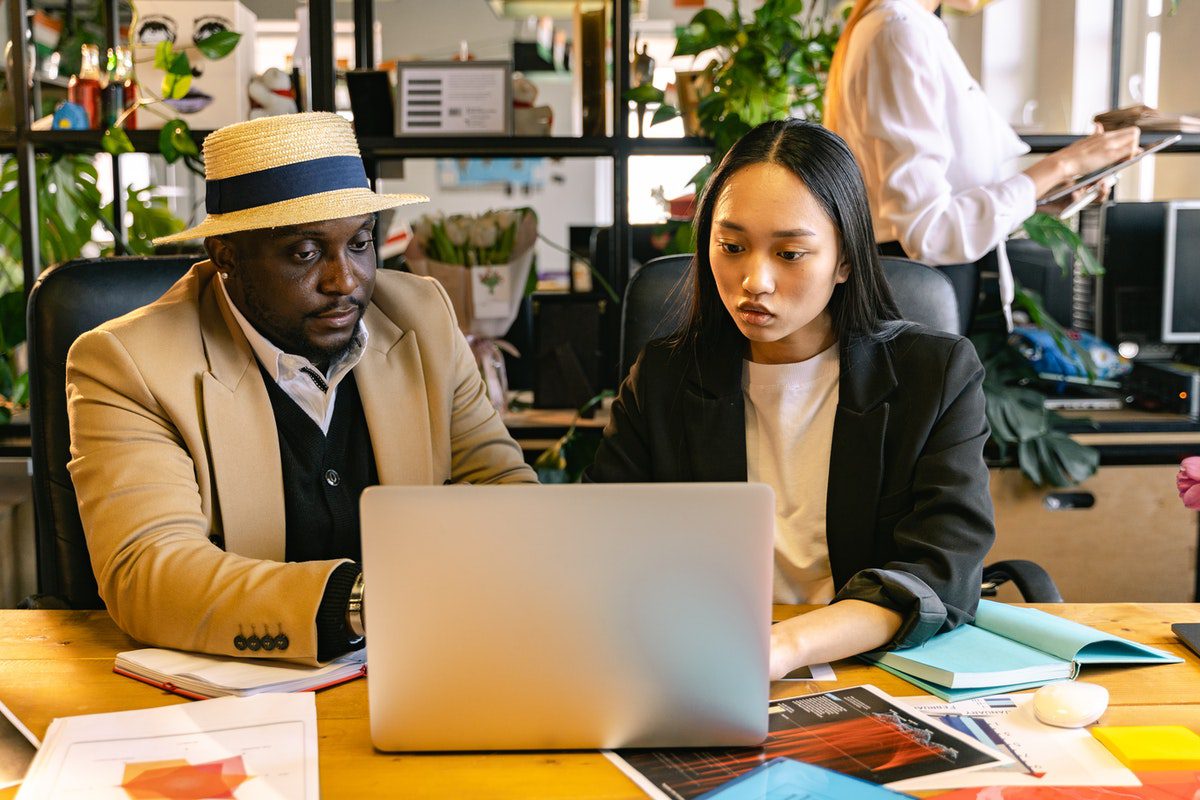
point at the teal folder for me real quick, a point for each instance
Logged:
(1010, 648)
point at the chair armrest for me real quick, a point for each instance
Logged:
(1033, 582)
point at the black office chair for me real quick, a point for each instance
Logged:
(655, 305)
(66, 301)
(922, 294)
(656, 301)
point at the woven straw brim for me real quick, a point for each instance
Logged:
(310, 208)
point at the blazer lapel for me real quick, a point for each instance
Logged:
(714, 416)
(242, 439)
(391, 384)
(856, 460)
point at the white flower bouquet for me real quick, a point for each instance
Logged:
(485, 264)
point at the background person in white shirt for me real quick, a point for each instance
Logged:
(794, 370)
(939, 161)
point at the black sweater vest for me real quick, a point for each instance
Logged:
(323, 475)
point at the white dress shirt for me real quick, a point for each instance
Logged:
(314, 391)
(790, 410)
(939, 161)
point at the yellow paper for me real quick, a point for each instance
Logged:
(1152, 747)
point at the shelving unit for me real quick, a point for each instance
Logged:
(24, 142)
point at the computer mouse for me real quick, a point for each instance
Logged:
(1070, 704)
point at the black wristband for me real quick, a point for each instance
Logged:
(333, 639)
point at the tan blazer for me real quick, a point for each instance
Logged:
(175, 452)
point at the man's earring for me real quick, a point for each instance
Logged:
(225, 275)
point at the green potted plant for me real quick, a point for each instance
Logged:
(771, 65)
(69, 209)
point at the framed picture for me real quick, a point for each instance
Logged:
(454, 98)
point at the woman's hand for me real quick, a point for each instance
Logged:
(1080, 198)
(786, 652)
(829, 633)
(1098, 150)
(1085, 155)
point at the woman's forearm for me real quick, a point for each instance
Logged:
(830, 633)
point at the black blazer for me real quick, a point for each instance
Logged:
(909, 514)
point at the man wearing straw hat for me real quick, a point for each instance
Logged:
(221, 435)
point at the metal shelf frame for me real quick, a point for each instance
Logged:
(24, 142)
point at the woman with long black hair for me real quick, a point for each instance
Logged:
(794, 369)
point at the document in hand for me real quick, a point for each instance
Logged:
(1010, 648)
(199, 676)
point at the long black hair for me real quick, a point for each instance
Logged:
(860, 306)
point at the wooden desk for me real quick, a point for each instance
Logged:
(57, 663)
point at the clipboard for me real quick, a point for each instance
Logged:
(1112, 169)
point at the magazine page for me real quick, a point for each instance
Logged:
(859, 731)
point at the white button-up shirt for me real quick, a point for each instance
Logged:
(315, 392)
(939, 161)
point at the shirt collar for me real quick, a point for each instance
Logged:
(276, 361)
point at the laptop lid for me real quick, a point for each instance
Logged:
(570, 616)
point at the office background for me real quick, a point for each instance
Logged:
(1048, 65)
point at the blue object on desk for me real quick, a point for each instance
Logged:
(785, 779)
(1049, 359)
(70, 116)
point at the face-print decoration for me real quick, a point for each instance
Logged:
(218, 93)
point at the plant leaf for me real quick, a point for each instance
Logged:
(663, 113)
(175, 87)
(218, 45)
(646, 93)
(1049, 465)
(180, 65)
(708, 29)
(1077, 461)
(175, 140)
(164, 53)
(115, 141)
(1027, 458)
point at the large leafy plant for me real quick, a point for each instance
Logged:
(770, 66)
(69, 209)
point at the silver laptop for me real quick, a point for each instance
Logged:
(573, 616)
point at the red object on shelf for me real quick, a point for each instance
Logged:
(84, 88)
(682, 207)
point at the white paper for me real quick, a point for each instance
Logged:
(491, 291)
(813, 672)
(263, 746)
(454, 99)
(1044, 755)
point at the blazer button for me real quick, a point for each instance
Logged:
(239, 642)
(332, 478)
(254, 643)
(268, 643)
(281, 642)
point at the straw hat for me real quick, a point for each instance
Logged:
(285, 170)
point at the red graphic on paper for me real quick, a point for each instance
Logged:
(179, 780)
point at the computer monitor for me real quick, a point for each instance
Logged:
(1181, 273)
